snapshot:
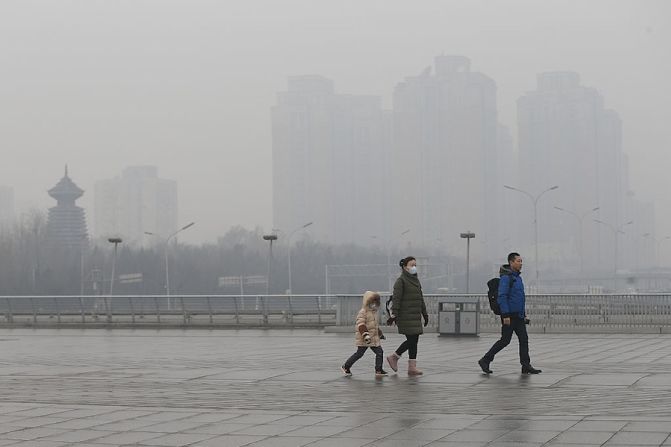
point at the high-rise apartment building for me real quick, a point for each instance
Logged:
(444, 161)
(436, 166)
(569, 139)
(330, 162)
(136, 202)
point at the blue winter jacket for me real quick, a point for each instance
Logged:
(511, 299)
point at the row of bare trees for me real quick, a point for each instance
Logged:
(31, 265)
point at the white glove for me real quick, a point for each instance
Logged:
(366, 338)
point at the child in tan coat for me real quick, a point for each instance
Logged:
(368, 334)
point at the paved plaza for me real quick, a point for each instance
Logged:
(97, 387)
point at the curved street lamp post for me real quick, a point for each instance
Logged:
(580, 218)
(616, 231)
(165, 255)
(534, 200)
(658, 244)
(387, 246)
(291, 289)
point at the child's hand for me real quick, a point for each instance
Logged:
(391, 321)
(382, 337)
(366, 338)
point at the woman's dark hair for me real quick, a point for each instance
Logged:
(403, 262)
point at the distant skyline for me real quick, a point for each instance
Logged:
(135, 203)
(188, 86)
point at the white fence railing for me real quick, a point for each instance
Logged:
(185, 310)
(547, 312)
(560, 312)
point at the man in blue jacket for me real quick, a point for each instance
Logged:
(513, 316)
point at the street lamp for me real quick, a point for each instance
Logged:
(659, 248)
(116, 241)
(270, 238)
(468, 236)
(387, 250)
(534, 200)
(289, 251)
(616, 231)
(580, 218)
(658, 244)
(165, 254)
(387, 245)
(403, 233)
(653, 242)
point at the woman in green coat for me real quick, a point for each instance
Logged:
(407, 310)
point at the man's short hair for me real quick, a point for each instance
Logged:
(512, 256)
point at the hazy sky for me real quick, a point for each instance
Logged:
(188, 85)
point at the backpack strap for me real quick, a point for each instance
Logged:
(390, 311)
(511, 281)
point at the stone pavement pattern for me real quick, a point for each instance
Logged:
(284, 388)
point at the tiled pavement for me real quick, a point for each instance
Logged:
(284, 388)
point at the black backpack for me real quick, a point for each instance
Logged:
(493, 293)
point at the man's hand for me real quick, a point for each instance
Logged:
(506, 321)
(426, 319)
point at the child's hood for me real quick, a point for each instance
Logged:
(370, 297)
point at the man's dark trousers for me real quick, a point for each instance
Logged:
(516, 325)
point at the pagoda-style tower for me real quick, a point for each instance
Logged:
(66, 225)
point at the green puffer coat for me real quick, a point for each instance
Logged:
(408, 304)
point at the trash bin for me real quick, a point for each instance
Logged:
(459, 315)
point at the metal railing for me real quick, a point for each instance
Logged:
(589, 312)
(610, 312)
(156, 310)
(559, 312)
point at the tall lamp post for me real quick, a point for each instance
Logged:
(616, 231)
(580, 218)
(388, 250)
(270, 238)
(291, 289)
(638, 249)
(534, 200)
(116, 241)
(403, 233)
(165, 253)
(659, 248)
(658, 244)
(468, 236)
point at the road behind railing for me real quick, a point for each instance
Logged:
(548, 313)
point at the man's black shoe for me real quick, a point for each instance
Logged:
(528, 369)
(484, 365)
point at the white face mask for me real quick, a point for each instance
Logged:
(373, 306)
(412, 270)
